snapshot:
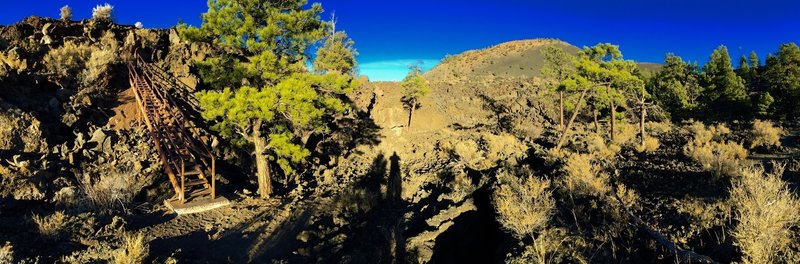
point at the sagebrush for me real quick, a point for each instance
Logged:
(103, 12)
(709, 150)
(66, 13)
(7, 253)
(523, 205)
(114, 191)
(50, 226)
(765, 134)
(134, 250)
(767, 212)
(584, 176)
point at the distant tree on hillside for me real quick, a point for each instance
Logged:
(725, 91)
(270, 102)
(676, 86)
(414, 88)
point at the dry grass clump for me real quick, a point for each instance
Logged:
(722, 158)
(103, 12)
(460, 187)
(658, 128)
(596, 145)
(551, 246)
(7, 253)
(112, 191)
(523, 206)
(134, 250)
(767, 212)
(765, 134)
(50, 226)
(66, 13)
(584, 176)
(625, 133)
(649, 145)
(67, 60)
(101, 59)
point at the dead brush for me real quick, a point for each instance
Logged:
(50, 226)
(596, 145)
(7, 253)
(767, 212)
(134, 250)
(649, 145)
(114, 191)
(706, 148)
(523, 205)
(584, 176)
(765, 134)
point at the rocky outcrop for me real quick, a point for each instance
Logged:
(21, 132)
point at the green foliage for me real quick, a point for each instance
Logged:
(337, 54)
(675, 87)
(610, 76)
(414, 87)
(724, 90)
(273, 36)
(261, 87)
(222, 72)
(782, 74)
(764, 104)
(296, 105)
(755, 63)
(559, 66)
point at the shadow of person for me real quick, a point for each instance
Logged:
(394, 184)
(394, 200)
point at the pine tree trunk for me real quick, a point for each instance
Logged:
(571, 120)
(596, 123)
(262, 161)
(613, 119)
(561, 110)
(410, 112)
(641, 120)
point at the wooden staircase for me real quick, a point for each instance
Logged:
(182, 148)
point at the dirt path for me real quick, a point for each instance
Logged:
(250, 230)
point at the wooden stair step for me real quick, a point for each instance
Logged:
(199, 192)
(195, 182)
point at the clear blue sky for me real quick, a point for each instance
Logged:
(391, 34)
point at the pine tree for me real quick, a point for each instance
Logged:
(782, 73)
(602, 72)
(414, 88)
(755, 63)
(603, 66)
(675, 86)
(336, 55)
(262, 93)
(725, 91)
(764, 105)
(559, 66)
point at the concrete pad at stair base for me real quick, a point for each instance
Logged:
(196, 206)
